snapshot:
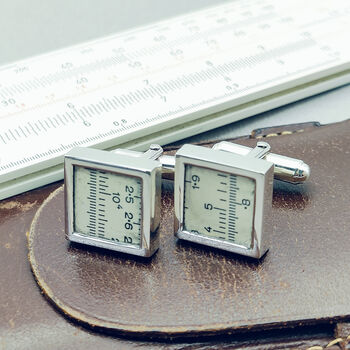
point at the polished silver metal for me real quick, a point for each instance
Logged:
(287, 169)
(131, 165)
(252, 167)
(260, 151)
(256, 163)
(168, 165)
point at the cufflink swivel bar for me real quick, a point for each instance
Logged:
(286, 169)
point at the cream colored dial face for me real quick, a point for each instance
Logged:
(107, 206)
(219, 205)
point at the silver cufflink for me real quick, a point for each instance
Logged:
(223, 196)
(113, 199)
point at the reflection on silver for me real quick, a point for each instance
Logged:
(228, 166)
(286, 169)
(239, 162)
(136, 195)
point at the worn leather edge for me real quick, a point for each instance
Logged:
(338, 343)
(148, 333)
(137, 330)
(341, 341)
(170, 332)
(257, 134)
(281, 130)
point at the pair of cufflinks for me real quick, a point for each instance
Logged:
(223, 196)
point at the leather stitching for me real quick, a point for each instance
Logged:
(343, 342)
(286, 132)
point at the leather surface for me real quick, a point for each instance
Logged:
(188, 290)
(28, 321)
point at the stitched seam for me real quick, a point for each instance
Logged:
(286, 132)
(202, 143)
(341, 341)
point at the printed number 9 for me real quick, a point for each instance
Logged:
(195, 178)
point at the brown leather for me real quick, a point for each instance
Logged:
(283, 130)
(310, 282)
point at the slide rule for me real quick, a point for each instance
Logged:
(166, 81)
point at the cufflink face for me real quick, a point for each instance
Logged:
(112, 201)
(223, 200)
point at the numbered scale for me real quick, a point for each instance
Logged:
(223, 196)
(166, 81)
(113, 199)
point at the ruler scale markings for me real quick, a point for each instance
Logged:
(168, 87)
(64, 117)
(121, 101)
(92, 203)
(157, 88)
(27, 129)
(12, 90)
(108, 103)
(91, 110)
(127, 99)
(70, 117)
(6, 136)
(115, 99)
(85, 112)
(149, 92)
(19, 89)
(141, 94)
(176, 83)
(135, 96)
(37, 127)
(182, 82)
(31, 127)
(105, 106)
(8, 92)
(197, 78)
(113, 103)
(219, 28)
(232, 209)
(55, 120)
(47, 124)
(18, 134)
(36, 83)
(98, 108)
(43, 81)
(51, 122)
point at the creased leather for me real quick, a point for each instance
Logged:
(310, 283)
(187, 289)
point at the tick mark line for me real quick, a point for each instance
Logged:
(218, 231)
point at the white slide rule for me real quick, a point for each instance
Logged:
(166, 81)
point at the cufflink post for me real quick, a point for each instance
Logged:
(286, 169)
